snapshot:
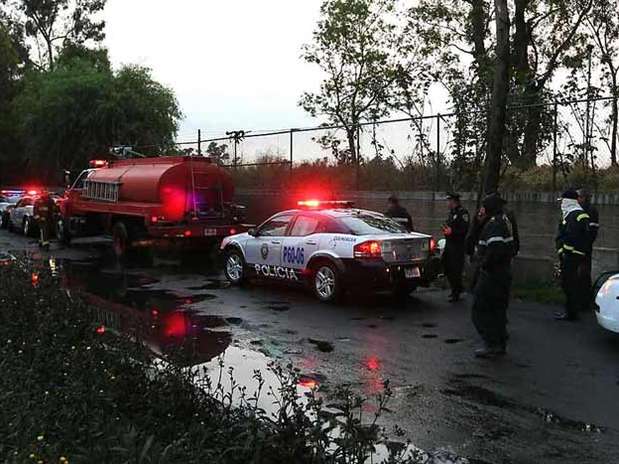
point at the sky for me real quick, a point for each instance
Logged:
(234, 64)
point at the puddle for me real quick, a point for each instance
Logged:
(279, 307)
(487, 397)
(372, 326)
(428, 325)
(234, 320)
(451, 341)
(429, 336)
(212, 284)
(321, 345)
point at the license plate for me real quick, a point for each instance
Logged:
(210, 232)
(412, 273)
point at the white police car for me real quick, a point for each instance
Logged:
(332, 247)
(607, 302)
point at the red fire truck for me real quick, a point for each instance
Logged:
(144, 202)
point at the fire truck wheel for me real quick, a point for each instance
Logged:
(120, 237)
(234, 267)
(326, 282)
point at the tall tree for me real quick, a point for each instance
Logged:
(498, 105)
(52, 24)
(603, 25)
(355, 45)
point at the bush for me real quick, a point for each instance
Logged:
(70, 393)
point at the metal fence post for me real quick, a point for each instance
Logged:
(554, 147)
(291, 148)
(437, 185)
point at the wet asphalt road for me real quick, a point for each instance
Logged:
(553, 399)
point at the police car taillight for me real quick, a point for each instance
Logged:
(433, 245)
(369, 249)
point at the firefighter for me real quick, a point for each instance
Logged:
(491, 294)
(584, 200)
(398, 213)
(455, 230)
(44, 208)
(573, 243)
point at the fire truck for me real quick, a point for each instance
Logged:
(146, 202)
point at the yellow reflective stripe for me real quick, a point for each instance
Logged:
(582, 216)
(579, 253)
(571, 249)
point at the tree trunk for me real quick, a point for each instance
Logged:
(351, 136)
(498, 104)
(615, 117)
(528, 158)
(477, 19)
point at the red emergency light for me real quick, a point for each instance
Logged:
(97, 163)
(33, 192)
(316, 204)
(433, 245)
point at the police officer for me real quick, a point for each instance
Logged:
(455, 230)
(584, 200)
(573, 243)
(491, 293)
(44, 208)
(398, 213)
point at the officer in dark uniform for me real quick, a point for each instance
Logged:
(494, 255)
(398, 213)
(584, 199)
(455, 230)
(573, 243)
(44, 208)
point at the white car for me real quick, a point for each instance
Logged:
(332, 247)
(607, 301)
(21, 217)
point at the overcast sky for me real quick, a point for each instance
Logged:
(234, 64)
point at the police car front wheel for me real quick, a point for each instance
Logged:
(234, 267)
(326, 283)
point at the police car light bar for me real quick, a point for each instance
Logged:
(315, 204)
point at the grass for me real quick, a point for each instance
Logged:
(544, 293)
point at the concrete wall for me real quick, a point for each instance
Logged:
(537, 213)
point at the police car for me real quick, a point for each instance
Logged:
(332, 247)
(607, 302)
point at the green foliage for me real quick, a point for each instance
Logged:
(72, 395)
(81, 108)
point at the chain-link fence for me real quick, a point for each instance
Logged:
(546, 146)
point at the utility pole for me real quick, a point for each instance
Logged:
(199, 142)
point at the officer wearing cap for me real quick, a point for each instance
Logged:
(398, 213)
(573, 243)
(584, 200)
(493, 255)
(455, 230)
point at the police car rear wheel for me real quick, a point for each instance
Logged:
(326, 283)
(234, 267)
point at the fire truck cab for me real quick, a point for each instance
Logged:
(151, 201)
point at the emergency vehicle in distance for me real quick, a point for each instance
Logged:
(141, 202)
(332, 247)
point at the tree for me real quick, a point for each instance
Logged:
(603, 25)
(498, 105)
(81, 108)
(53, 24)
(355, 44)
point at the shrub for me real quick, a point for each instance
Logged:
(70, 393)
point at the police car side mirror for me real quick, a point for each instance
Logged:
(253, 232)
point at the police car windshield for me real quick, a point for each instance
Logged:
(367, 224)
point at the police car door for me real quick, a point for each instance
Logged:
(266, 247)
(301, 242)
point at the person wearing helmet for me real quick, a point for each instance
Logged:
(494, 254)
(454, 230)
(573, 243)
(584, 200)
(44, 208)
(398, 213)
